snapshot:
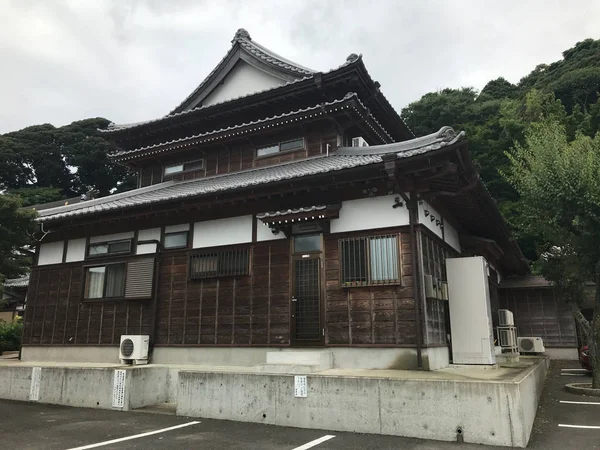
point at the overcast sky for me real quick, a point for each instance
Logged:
(131, 60)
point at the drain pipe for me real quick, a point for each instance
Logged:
(159, 249)
(413, 218)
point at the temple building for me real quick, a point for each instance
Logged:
(278, 208)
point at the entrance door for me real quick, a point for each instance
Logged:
(306, 327)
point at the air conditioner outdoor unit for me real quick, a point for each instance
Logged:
(506, 337)
(531, 345)
(359, 142)
(505, 318)
(134, 349)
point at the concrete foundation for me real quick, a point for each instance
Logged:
(340, 357)
(494, 406)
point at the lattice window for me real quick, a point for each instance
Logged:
(220, 263)
(373, 260)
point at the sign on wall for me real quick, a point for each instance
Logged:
(300, 386)
(34, 389)
(118, 400)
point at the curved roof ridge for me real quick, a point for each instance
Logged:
(445, 136)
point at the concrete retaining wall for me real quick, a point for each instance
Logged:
(342, 358)
(486, 412)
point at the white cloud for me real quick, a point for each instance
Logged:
(64, 60)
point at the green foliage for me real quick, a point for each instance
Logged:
(10, 335)
(71, 159)
(16, 228)
(36, 195)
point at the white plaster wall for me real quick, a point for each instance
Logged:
(369, 213)
(51, 253)
(427, 220)
(264, 233)
(147, 235)
(451, 236)
(177, 228)
(242, 80)
(112, 237)
(75, 250)
(233, 230)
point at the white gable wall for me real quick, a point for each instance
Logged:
(242, 80)
(449, 234)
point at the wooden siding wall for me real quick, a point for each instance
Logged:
(56, 315)
(538, 312)
(369, 316)
(250, 310)
(240, 311)
(240, 155)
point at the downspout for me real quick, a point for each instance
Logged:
(413, 218)
(159, 249)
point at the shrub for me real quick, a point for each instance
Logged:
(10, 335)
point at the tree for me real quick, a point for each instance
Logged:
(16, 230)
(559, 186)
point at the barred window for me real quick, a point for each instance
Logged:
(370, 260)
(220, 263)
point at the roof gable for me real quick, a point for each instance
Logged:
(247, 67)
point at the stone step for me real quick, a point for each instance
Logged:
(288, 368)
(322, 359)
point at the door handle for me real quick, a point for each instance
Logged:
(294, 299)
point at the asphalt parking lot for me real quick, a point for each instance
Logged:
(37, 426)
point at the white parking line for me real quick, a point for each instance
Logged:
(311, 444)
(580, 403)
(135, 436)
(589, 427)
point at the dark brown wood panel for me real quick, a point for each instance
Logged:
(539, 312)
(368, 315)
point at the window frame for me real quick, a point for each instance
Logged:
(108, 244)
(179, 247)
(279, 144)
(104, 298)
(367, 261)
(219, 252)
(183, 170)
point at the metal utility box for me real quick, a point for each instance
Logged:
(470, 311)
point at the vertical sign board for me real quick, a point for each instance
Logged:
(34, 389)
(118, 399)
(300, 386)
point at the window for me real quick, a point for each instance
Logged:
(110, 248)
(307, 243)
(105, 281)
(188, 166)
(123, 280)
(176, 240)
(296, 144)
(220, 263)
(369, 260)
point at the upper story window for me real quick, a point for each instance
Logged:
(178, 239)
(184, 167)
(296, 144)
(110, 248)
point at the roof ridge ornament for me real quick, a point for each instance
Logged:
(240, 35)
(353, 57)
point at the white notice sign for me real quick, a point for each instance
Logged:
(118, 400)
(300, 386)
(34, 388)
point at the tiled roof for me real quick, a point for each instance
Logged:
(248, 127)
(285, 212)
(118, 127)
(343, 158)
(173, 190)
(17, 282)
(444, 137)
